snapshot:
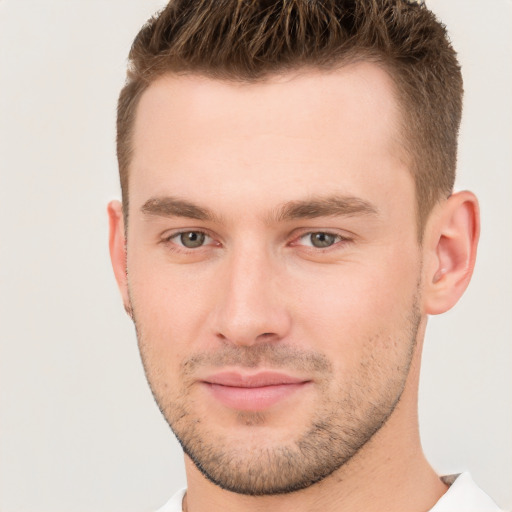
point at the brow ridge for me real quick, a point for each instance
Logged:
(330, 206)
(310, 208)
(174, 207)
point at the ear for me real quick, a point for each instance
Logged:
(117, 246)
(450, 243)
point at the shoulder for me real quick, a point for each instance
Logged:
(174, 504)
(464, 494)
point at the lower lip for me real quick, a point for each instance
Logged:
(253, 399)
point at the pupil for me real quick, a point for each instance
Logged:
(322, 239)
(192, 239)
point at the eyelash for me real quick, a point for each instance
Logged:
(169, 240)
(179, 247)
(338, 239)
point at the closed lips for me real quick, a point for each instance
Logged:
(253, 392)
(262, 379)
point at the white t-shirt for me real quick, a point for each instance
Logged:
(462, 496)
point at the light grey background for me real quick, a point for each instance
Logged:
(78, 427)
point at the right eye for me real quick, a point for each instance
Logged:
(190, 239)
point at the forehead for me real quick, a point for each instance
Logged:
(307, 129)
(318, 100)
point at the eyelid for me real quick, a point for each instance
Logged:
(169, 237)
(342, 238)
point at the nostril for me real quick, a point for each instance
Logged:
(266, 335)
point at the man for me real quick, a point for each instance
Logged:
(288, 222)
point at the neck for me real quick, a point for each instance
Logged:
(371, 481)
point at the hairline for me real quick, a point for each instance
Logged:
(410, 149)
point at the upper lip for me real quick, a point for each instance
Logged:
(257, 380)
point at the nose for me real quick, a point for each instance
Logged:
(251, 306)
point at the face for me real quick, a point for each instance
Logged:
(273, 269)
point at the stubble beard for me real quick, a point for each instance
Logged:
(344, 421)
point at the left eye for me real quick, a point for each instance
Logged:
(191, 239)
(320, 240)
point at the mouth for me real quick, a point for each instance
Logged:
(254, 392)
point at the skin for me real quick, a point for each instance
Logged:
(258, 168)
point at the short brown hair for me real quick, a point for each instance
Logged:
(249, 40)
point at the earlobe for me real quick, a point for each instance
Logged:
(117, 246)
(451, 251)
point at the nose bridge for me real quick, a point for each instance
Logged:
(250, 309)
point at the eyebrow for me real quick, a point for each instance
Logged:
(330, 206)
(175, 207)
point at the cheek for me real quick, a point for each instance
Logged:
(170, 308)
(352, 306)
